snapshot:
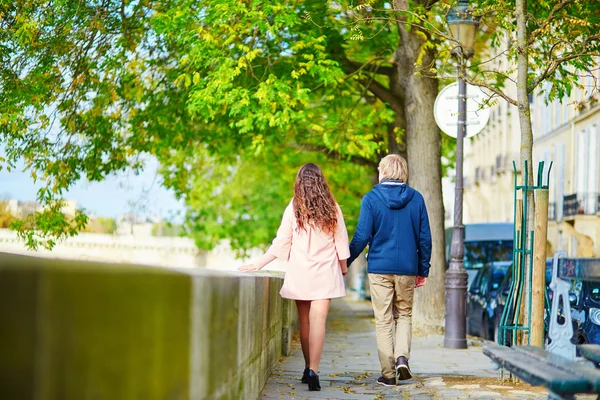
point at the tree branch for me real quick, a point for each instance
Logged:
(372, 67)
(383, 94)
(554, 64)
(543, 26)
(491, 89)
(332, 154)
(428, 4)
(380, 91)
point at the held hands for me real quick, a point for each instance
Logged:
(344, 266)
(344, 269)
(249, 267)
(420, 281)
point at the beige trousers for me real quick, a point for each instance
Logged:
(392, 299)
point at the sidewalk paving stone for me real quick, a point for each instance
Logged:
(350, 367)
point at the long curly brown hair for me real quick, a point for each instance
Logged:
(314, 204)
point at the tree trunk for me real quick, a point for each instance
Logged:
(526, 136)
(395, 146)
(425, 172)
(522, 95)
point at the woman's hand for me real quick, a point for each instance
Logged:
(344, 267)
(249, 267)
(260, 264)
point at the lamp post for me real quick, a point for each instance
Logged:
(463, 27)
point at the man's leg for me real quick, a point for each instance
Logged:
(405, 288)
(382, 295)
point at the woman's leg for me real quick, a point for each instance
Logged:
(304, 317)
(318, 319)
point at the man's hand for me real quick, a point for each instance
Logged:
(249, 267)
(420, 281)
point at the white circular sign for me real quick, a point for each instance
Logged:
(445, 110)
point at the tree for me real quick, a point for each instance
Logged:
(6, 218)
(68, 76)
(550, 46)
(101, 225)
(231, 97)
(257, 71)
(551, 42)
(555, 42)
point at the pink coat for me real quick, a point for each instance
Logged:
(313, 271)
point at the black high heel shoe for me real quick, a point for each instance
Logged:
(313, 381)
(305, 375)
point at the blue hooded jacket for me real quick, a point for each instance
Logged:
(394, 223)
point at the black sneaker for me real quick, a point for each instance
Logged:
(305, 376)
(402, 369)
(313, 381)
(386, 381)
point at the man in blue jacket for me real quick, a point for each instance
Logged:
(394, 223)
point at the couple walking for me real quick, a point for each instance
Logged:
(313, 240)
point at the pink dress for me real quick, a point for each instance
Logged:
(313, 269)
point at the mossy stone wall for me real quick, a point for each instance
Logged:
(81, 330)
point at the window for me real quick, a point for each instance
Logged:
(595, 292)
(479, 253)
(557, 116)
(499, 271)
(581, 169)
(474, 286)
(594, 165)
(483, 285)
(543, 122)
(546, 160)
(559, 183)
(547, 119)
(586, 172)
(589, 86)
(537, 158)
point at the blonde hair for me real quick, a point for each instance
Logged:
(395, 167)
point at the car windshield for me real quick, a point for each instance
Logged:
(498, 274)
(479, 253)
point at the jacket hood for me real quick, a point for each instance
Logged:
(394, 195)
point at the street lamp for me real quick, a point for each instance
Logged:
(463, 27)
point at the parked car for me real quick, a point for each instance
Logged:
(498, 304)
(481, 297)
(484, 244)
(585, 312)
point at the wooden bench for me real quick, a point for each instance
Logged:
(563, 378)
(590, 352)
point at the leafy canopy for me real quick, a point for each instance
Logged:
(231, 97)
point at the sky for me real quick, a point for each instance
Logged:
(109, 198)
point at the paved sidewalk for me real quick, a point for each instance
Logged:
(349, 367)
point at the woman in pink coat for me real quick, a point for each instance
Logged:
(313, 240)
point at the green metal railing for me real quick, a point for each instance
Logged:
(512, 319)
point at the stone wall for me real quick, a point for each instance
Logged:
(84, 330)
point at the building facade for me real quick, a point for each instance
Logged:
(566, 132)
